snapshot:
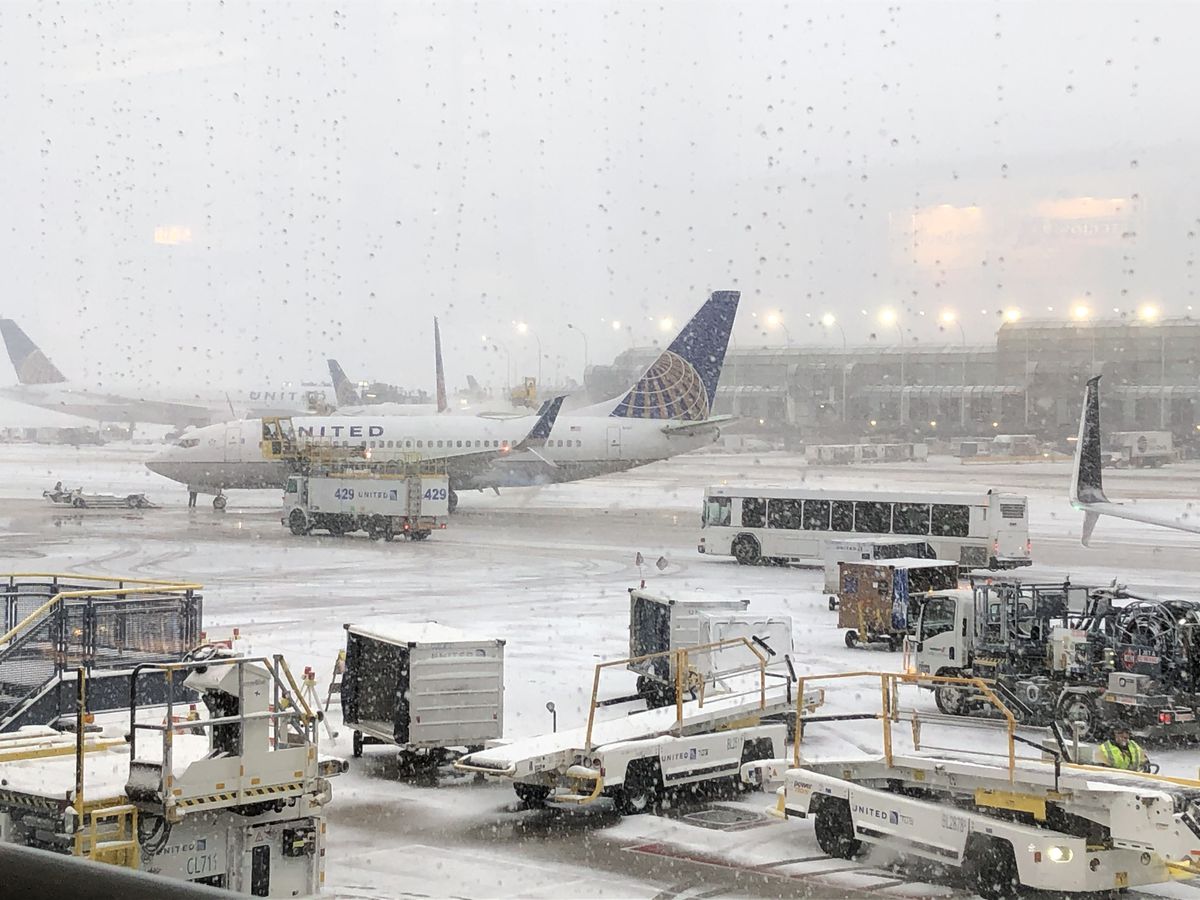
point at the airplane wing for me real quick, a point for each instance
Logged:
(1087, 486)
(465, 464)
(691, 428)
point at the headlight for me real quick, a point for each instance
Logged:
(1059, 854)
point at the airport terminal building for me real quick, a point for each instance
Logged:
(1030, 382)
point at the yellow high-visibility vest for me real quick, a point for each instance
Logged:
(1132, 757)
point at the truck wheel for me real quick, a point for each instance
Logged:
(297, 522)
(851, 638)
(1074, 707)
(78, 503)
(991, 868)
(745, 550)
(531, 794)
(951, 699)
(834, 828)
(358, 745)
(642, 790)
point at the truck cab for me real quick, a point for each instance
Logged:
(944, 632)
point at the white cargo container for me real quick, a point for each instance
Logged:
(659, 623)
(385, 506)
(842, 550)
(1138, 449)
(425, 688)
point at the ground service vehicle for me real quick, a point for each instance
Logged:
(424, 688)
(1068, 654)
(857, 549)
(1139, 449)
(404, 503)
(986, 530)
(847, 454)
(638, 758)
(878, 600)
(659, 623)
(233, 800)
(1010, 823)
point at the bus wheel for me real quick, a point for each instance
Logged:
(991, 868)
(851, 638)
(746, 550)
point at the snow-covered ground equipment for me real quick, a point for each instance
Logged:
(1139, 449)
(425, 688)
(1067, 653)
(233, 800)
(635, 759)
(859, 549)
(1008, 821)
(55, 624)
(78, 499)
(878, 601)
(659, 623)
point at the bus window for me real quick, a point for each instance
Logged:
(950, 520)
(843, 515)
(783, 514)
(754, 512)
(937, 617)
(717, 510)
(816, 515)
(872, 518)
(911, 518)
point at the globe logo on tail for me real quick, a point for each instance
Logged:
(670, 389)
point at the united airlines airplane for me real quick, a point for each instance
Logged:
(1087, 487)
(667, 412)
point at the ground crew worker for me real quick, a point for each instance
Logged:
(1122, 752)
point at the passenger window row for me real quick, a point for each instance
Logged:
(861, 516)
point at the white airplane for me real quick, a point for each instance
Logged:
(1087, 489)
(667, 412)
(41, 384)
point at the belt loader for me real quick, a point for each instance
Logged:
(233, 800)
(1007, 822)
(636, 759)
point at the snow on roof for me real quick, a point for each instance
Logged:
(420, 633)
(902, 563)
(696, 597)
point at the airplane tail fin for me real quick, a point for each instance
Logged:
(682, 383)
(31, 364)
(544, 424)
(472, 384)
(343, 389)
(439, 372)
(1087, 484)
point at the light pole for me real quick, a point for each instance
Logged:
(889, 317)
(949, 317)
(523, 328)
(507, 363)
(1149, 313)
(583, 335)
(775, 320)
(829, 321)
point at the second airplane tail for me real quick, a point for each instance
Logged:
(342, 387)
(31, 364)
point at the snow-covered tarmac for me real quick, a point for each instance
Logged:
(547, 569)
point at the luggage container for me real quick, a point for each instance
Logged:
(857, 549)
(427, 689)
(877, 600)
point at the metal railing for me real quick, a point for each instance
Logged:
(689, 679)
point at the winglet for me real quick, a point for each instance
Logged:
(439, 372)
(32, 365)
(342, 388)
(1086, 481)
(541, 429)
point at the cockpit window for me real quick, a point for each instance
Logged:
(189, 442)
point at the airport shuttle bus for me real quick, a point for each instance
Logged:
(757, 524)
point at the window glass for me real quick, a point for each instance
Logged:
(754, 512)
(783, 514)
(816, 515)
(937, 616)
(871, 517)
(950, 520)
(843, 515)
(717, 510)
(910, 518)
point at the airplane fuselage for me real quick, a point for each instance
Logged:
(228, 456)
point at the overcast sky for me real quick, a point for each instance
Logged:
(231, 192)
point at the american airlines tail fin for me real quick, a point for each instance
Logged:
(32, 365)
(439, 372)
(343, 389)
(1087, 487)
(681, 385)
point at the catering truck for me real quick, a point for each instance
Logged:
(409, 503)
